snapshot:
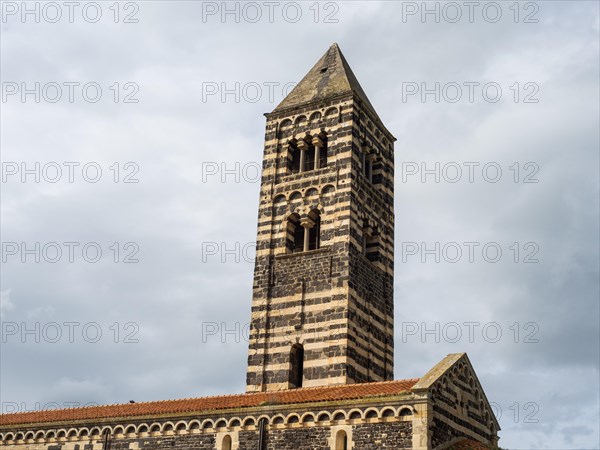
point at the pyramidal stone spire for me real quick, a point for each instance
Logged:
(329, 77)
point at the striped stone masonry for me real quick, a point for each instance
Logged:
(334, 297)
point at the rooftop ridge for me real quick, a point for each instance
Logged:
(252, 399)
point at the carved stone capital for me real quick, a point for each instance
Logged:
(302, 145)
(307, 222)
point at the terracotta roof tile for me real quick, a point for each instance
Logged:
(304, 395)
(469, 444)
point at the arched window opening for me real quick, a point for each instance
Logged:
(331, 113)
(296, 366)
(227, 443)
(323, 152)
(319, 148)
(341, 440)
(314, 238)
(294, 158)
(303, 148)
(310, 158)
(301, 121)
(367, 165)
(304, 234)
(307, 154)
(294, 234)
(405, 412)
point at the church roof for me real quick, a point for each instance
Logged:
(468, 444)
(201, 404)
(329, 77)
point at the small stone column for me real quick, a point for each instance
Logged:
(307, 223)
(364, 151)
(370, 158)
(302, 146)
(318, 143)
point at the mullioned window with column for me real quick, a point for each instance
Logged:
(307, 154)
(303, 233)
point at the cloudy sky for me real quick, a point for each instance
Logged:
(129, 194)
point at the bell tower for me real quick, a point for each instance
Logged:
(322, 307)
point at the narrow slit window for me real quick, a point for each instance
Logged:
(296, 366)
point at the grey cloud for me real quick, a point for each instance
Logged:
(171, 292)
